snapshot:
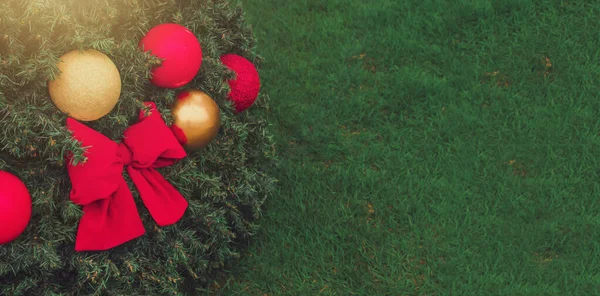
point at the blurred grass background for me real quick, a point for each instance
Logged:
(429, 148)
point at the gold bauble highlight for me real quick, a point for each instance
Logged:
(197, 119)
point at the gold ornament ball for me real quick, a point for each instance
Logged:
(197, 119)
(88, 87)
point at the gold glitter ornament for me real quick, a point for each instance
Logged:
(88, 86)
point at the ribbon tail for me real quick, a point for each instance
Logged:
(164, 202)
(109, 222)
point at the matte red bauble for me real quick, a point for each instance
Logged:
(180, 51)
(246, 85)
(15, 207)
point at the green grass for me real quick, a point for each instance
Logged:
(429, 148)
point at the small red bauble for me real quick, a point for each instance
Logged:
(246, 85)
(180, 51)
(15, 207)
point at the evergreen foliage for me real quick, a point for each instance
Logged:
(224, 183)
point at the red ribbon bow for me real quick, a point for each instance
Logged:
(110, 216)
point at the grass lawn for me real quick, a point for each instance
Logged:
(429, 148)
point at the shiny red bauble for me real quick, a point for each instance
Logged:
(244, 88)
(15, 207)
(179, 50)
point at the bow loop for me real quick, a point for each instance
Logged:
(152, 142)
(101, 165)
(110, 216)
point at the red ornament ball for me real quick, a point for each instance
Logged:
(180, 51)
(246, 86)
(15, 207)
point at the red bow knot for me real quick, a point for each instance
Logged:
(110, 217)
